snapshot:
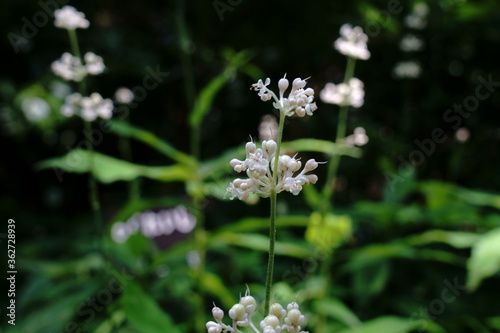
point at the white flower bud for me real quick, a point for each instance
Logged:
(283, 84)
(237, 312)
(272, 321)
(249, 303)
(277, 310)
(213, 327)
(292, 305)
(295, 317)
(217, 313)
(310, 165)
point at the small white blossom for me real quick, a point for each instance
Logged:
(89, 108)
(344, 94)
(299, 102)
(278, 320)
(359, 138)
(407, 70)
(411, 43)
(258, 165)
(95, 106)
(93, 63)
(417, 19)
(352, 42)
(69, 68)
(124, 95)
(69, 18)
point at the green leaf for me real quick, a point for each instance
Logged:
(143, 313)
(107, 169)
(384, 325)
(320, 146)
(328, 232)
(213, 285)
(204, 101)
(485, 259)
(457, 239)
(125, 129)
(261, 243)
(262, 223)
(335, 309)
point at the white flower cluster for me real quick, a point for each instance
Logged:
(89, 108)
(279, 320)
(352, 42)
(154, 224)
(417, 19)
(411, 43)
(359, 138)
(70, 67)
(69, 18)
(299, 102)
(344, 94)
(259, 165)
(407, 70)
(124, 95)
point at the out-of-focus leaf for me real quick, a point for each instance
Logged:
(213, 285)
(478, 198)
(371, 280)
(485, 259)
(107, 169)
(258, 223)
(384, 325)
(143, 313)
(328, 232)
(334, 308)
(125, 129)
(108, 326)
(311, 196)
(261, 243)
(457, 239)
(204, 101)
(320, 146)
(213, 168)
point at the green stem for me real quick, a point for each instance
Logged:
(273, 214)
(334, 162)
(73, 39)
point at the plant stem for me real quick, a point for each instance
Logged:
(273, 213)
(73, 39)
(334, 162)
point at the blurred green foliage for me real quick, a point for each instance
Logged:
(406, 249)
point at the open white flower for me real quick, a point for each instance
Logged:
(352, 42)
(359, 138)
(344, 94)
(93, 63)
(89, 108)
(259, 163)
(69, 68)
(299, 102)
(69, 18)
(407, 70)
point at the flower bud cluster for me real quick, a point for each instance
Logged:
(278, 320)
(344, 94)
(299, 102)
(89, 108)
(352, 42)
(69, 18)
(359, 138)
(70, 68)
(258, 165)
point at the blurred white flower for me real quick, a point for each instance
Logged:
(89, 108)
(411, 43)
(359, 138)
(35, 109)
(417, 19)
(257, 165)
(154, 224)
(268, 128)
(352, 42)
(93, 63)
(95, 106)
(299, 102)
(344, 94)
(462, 134)
(407, 70)
(69, 68)
(69, 18)
(124, 95)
